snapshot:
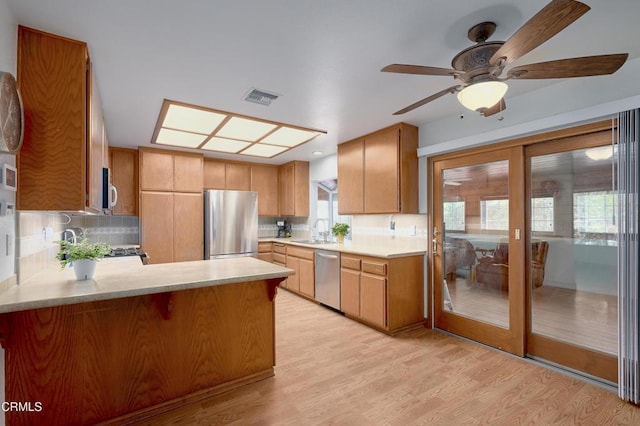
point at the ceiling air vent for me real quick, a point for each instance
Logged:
(260, 97)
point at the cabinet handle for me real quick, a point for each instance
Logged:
(327, 256)
(114, 201)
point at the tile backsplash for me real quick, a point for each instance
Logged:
(113, 230)
(38, 231)
(36, 249)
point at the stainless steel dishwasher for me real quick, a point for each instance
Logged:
(328, 278)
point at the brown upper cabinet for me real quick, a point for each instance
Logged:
(282, 190)
(124, 176)
(173, 171)
(64, 149)
(264, 180)
(294, 189)
(238, 176)
(378, 173)
(214, 174)
(227, 175)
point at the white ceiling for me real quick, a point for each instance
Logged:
(323, 57)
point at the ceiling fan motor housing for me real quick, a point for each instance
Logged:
(474, 61)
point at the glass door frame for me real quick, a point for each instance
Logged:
(579, 358)
(511, 340)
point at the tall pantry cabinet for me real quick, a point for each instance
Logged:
(171, 205)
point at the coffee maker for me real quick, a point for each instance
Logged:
(284, 229)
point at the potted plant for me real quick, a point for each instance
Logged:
(340, 230)
(83, 256)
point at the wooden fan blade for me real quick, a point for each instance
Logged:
(574, 67)
(428, 99)
(499, 107)
(418, 69)
(553, 18)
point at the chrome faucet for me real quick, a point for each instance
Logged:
(325, 233)
(74, 238)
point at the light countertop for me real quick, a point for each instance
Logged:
(126, 277)
(375, 246)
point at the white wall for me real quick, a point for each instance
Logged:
(8, 43)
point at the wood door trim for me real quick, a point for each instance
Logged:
(593, 362)
(512, 339)
(530, 140)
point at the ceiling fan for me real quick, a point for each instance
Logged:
(478, 68)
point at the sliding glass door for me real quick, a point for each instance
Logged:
(524, 249)
(572, 258)
(477, 225)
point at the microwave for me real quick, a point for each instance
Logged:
(109, 192)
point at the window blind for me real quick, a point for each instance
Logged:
(628, 162)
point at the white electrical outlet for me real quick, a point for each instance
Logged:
(412, 230)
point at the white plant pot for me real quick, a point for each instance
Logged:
(84, 268)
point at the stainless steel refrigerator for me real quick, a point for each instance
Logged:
(230, 224)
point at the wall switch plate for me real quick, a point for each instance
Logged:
(412, 230)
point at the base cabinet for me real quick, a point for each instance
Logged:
(387, 294)
(264, 251)
(301, 260)
(350, 292)
(307, 277)
(279, 255)
(373, 294)
(125, 359)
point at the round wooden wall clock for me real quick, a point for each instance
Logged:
(11, 116)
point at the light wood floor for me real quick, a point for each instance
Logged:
(578, 317)
(331, 370)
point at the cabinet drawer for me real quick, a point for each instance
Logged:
(264, 247)
(302, 253)
(279, 248)
(378, 268)
(279, 258)
(350, 262)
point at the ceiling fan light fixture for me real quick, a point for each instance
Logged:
(484, 94)
(600, 153)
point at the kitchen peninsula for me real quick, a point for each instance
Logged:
(136, 340)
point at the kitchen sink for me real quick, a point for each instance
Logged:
(313, 242)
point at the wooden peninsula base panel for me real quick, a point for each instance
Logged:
(123, 359)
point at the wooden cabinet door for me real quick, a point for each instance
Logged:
(124, 176)
(373, 300)
(286, 187)
(293, 281)
(350, 292)
(264, 180)
(301, 188)
(52, 74)
(351, 177)
(156, 225)
(188, 232)
(307, 277)
(96, 145)
(238, 177)
(187, 173)
(382, 172)
(156, 171)
(214, 174)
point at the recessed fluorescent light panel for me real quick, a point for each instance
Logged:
(191, 126)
